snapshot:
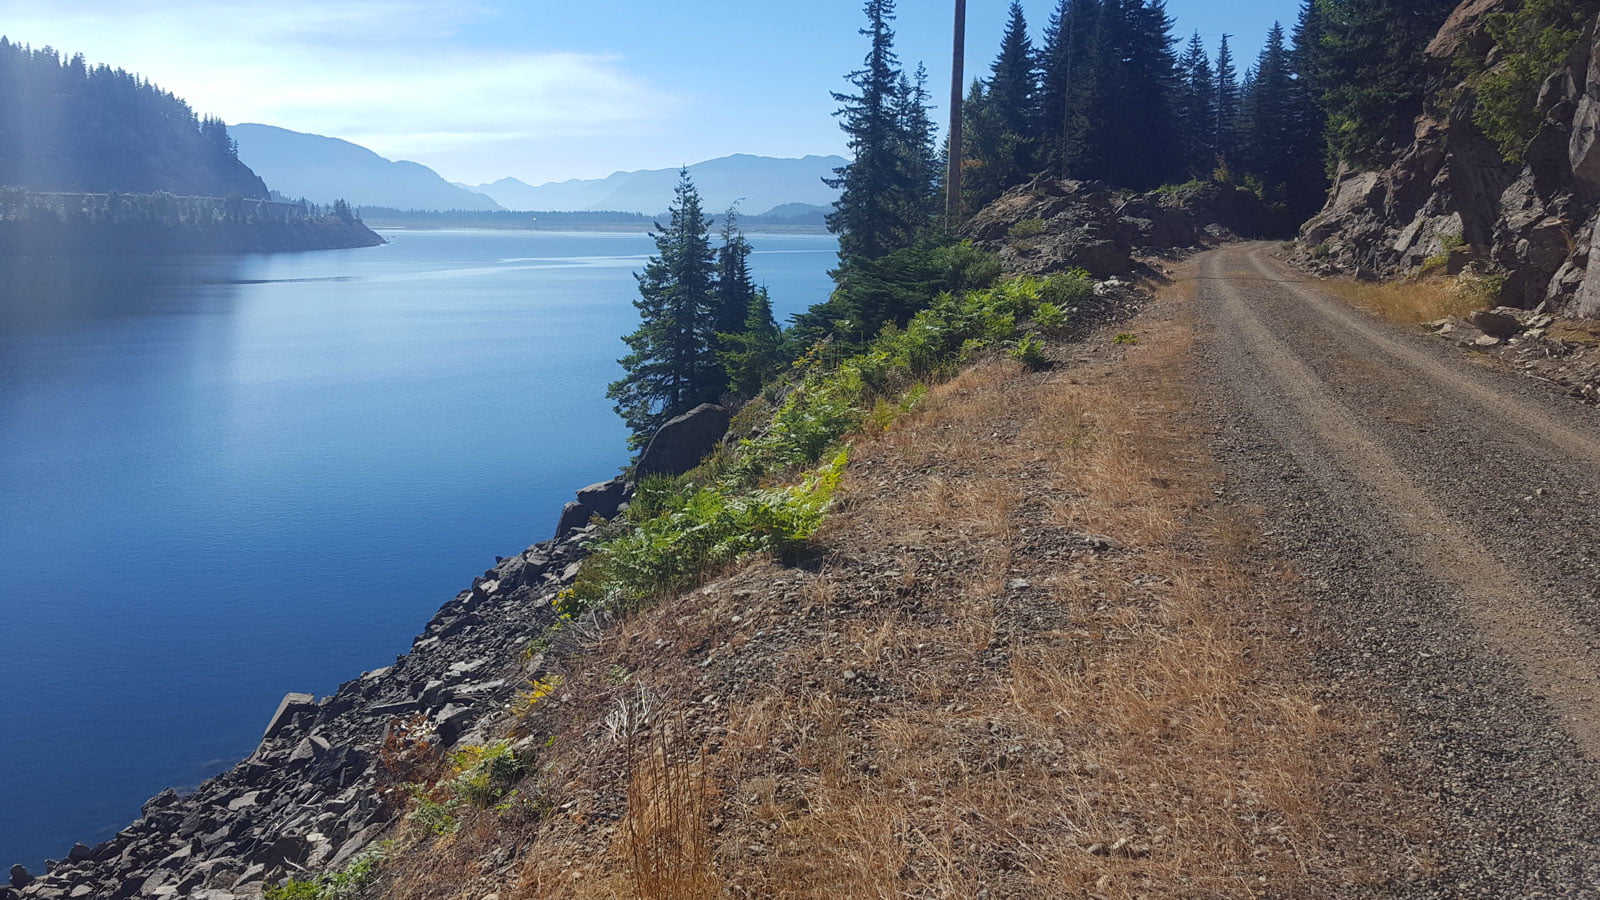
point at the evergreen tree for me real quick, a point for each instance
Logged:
(734, 288)
(1227, 102)
(672, 366)
(1372, 65)
(1012, 81)
(753, 354)
(1268, 119)
(1130, 136)
(1065, 78)
(999, 121)
(1307, 186)
(1198, 110)
(920, 159)
(990, 150)
(886, 191)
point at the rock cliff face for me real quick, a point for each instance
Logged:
(1450, 195)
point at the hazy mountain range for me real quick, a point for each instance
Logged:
(324, 169)
(757, 183)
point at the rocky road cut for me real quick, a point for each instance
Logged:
(1446, 517)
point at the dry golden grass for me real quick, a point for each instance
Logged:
(1408, 302)
(963, 697)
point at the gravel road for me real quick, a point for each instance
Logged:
(1446, 517)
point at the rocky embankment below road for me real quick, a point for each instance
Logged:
(316, 792)
(308, 798)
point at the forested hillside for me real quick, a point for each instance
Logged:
(69, 126)
(1106, 93)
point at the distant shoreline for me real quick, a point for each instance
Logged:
(379, 223)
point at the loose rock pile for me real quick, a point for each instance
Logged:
(1565, 352)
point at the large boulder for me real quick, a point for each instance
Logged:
(606, 497)
(684, 441)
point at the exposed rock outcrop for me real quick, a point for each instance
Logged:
(684, 441)
(1450, 195)
(1051, 225)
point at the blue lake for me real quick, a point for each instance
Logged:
(225, 479)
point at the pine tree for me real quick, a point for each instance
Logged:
(672, 367)
(883, 202)
(1373, 85)
(1227, 103)
(1132, 137)
(1065, 82)
(1308, 179)
(734, 287)
(1268, 119)
(921, 164)
(1012, 80)
(1198, 109)
(752, 355)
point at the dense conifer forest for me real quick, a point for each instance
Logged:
(69, 126)
(1107, 94)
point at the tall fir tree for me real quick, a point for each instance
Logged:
(753, 354)
(1131, 135)
(920, 157)
(999, 120)
(1227, 103)
(1065, 77)
(734, 286)
(1268, 120)
(1013, 82)
(672, 365)
(886, 196)
(1197, 110)
(1372, 65)
(1307, 187)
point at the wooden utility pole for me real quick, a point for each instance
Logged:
(952, 180)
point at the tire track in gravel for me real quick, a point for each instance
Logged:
(1549, 647)
(1396, 476)
(1532, 420)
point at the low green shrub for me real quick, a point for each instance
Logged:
(1068, 290)
(1125, 339)
(1049, 315)
(697, 530)
(1533, 42)
(485, 774)
(1026, 229)
(344, 884)
(1030, 351)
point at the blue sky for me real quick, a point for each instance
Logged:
(542, 90)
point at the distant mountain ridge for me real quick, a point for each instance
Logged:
(324, 169)
(757, 183)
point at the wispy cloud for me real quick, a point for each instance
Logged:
(391, 74)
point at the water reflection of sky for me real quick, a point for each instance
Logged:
(225, 479)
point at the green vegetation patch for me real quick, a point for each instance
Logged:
(344, 884)
(1534, 42)
(769, 492)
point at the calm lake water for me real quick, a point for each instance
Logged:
(226, 479)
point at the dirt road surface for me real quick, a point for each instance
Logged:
(1446, 517)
